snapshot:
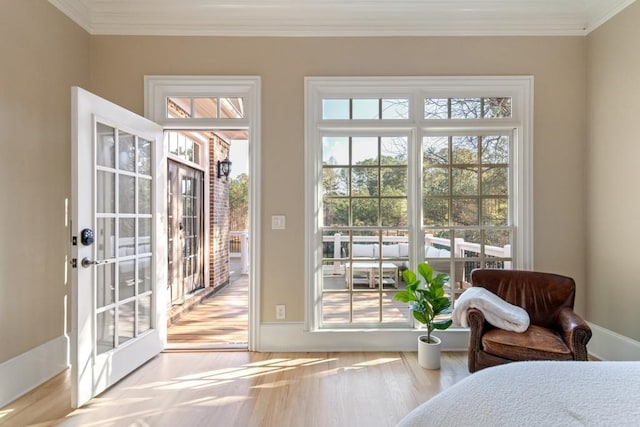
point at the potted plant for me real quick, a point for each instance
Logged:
(426, 303)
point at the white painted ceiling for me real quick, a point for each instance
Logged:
(300, 18)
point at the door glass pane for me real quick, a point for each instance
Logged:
(126, 285)
(144, 314)
(126, 322)
(126, 245)
(105, 331)
(105, 284)
(144, 196)
(126, 197)
(105, 192)
(144, 235)
(144, 275)
(105, 238)
(144, 156)
(126, 152)
(105, 146)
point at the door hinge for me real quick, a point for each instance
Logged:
(74, 263)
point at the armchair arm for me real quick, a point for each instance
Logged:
(575, 332)
(477, 326)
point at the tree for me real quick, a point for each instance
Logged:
(239, 203)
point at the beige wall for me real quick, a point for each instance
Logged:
(42, 54)
(614, 179)
(118, 65)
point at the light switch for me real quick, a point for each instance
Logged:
(278, 222)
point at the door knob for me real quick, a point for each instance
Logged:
(86, 262)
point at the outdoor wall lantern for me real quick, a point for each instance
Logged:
(224, 168)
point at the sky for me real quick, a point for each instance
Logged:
(239, 156)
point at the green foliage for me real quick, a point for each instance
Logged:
(239, 203)
(428, 301)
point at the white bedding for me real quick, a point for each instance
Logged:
(538, 394)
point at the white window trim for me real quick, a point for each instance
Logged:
(519, 88)
(157, 89)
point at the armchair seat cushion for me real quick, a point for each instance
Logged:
(536, 343)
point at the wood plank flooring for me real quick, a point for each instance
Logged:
(214, 388)
(219, 321)
(191, 385)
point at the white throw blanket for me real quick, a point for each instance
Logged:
(497, 311)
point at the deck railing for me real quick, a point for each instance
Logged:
(239, 248)
(461, 248)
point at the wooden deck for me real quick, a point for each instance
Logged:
(220, 321)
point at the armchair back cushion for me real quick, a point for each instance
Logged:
(542, 295)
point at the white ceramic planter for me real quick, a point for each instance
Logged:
(429, 352)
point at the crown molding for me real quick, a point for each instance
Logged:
(600, 12)
(77, 10)
(341, 18)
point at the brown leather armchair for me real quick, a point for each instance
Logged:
(555, 331)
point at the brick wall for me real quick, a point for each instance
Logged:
(218, 215)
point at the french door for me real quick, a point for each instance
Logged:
(185, 223)
(118, 241)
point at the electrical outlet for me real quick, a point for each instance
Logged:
(280, 312)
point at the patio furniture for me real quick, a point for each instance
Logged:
(368, 273)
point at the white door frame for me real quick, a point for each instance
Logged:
(158, 88)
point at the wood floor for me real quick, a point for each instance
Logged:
(219, 321)
(240, 388)
(191, 384)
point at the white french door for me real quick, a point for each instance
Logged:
(119, 244)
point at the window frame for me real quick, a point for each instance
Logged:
(416, 89)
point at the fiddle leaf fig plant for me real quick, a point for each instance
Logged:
(428, 301)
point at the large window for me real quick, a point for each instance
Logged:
(405, 170)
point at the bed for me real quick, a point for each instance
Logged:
(538, 394)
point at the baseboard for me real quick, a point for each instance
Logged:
(32, 368)
(291, 337)
(609, 345)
